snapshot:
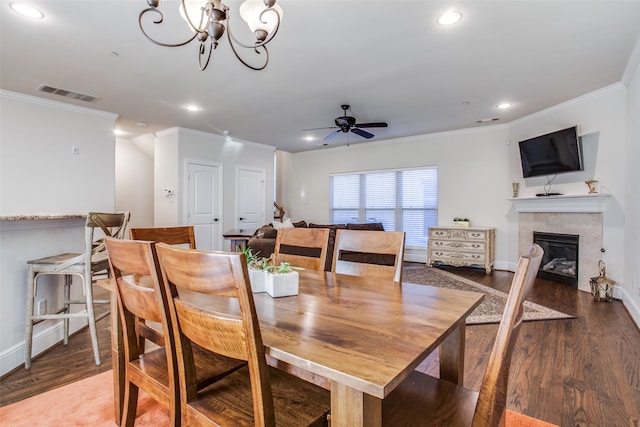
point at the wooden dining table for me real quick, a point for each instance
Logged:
(359, 336)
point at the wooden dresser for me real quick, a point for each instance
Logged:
(462, 246)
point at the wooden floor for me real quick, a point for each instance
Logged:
(577, 372)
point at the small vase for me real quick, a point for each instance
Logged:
(516, 189)
(257, 278)
(281, 285)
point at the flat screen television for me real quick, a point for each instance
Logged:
(551, 154)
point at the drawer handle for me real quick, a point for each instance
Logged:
(475, 245)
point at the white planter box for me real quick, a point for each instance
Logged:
(281, 285)
(257, 278)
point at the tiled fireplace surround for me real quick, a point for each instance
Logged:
(581, 215)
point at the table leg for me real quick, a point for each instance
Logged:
(353, 408)
(452, 355)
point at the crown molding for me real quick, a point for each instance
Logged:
(633, 65)
(15, 96)
(596, 94)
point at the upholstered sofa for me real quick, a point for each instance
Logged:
(263, 241)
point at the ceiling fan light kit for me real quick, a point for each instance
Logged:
(210, 19)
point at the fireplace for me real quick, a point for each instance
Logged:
(560, 260)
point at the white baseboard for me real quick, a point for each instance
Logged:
(13, 357)
(629, 303)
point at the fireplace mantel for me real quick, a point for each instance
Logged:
(562, 203)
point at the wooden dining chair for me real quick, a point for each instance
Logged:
(213, 305)
(89, 264)
(422, 400)
(181, 235)
(377, 254)
(302, 247)
(141, 295)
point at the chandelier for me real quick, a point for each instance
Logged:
(210, 19)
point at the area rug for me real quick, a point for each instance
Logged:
(490, 310)
(89, 402)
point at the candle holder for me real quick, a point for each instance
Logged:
(602, 286)
(516, 189)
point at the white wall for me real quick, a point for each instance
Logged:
(40, 175)
(174, 146)
(134, 182)
(631, 276)
(473, 176)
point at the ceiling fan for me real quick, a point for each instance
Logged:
(348, 124)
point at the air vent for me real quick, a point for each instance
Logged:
(67, 93)
(492, 119)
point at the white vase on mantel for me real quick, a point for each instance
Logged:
(281, 284)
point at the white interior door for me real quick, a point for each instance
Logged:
(250, 198)
(204, 204)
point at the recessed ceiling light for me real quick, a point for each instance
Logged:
(504, 105)
(26, 10)
(118, 132)
(192, 108)
(309, 138)
(450, 17)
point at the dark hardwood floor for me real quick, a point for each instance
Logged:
(576, 372)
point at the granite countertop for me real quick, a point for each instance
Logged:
(19, 217)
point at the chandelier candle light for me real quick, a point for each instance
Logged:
(209, 19)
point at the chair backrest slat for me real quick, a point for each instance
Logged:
(302, 247)
(370, 253)
(492, 399)
(181, 235)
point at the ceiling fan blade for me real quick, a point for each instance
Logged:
(326, 127)
(372, 125)
(362, 133)
(332, 134)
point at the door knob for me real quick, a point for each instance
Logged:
(215, 219)
(242, 219)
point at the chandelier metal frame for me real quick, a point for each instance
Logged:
(214, 21)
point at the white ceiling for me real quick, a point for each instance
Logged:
(388, 59)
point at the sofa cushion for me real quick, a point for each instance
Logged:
(286, 224)
(300, 224)
(375, 226)
(266, 232)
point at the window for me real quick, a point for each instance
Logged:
(404, 200)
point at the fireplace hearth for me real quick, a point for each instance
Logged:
(560, 260)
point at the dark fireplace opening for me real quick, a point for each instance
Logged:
(560, 259)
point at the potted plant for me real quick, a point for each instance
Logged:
(257, 267)
(461, 222)
(281, 280)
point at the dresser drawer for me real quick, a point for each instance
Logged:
(457, 257)
(458, 234)
(466, 246)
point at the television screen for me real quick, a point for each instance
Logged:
(550, 154)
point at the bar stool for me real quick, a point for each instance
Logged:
(86, 265)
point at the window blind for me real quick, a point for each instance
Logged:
(404, 200)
